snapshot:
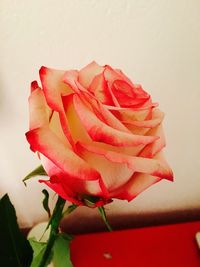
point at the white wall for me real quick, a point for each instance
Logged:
(156, 42)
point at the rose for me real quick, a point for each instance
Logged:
(98, 135)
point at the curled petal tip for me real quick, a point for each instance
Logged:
(170, 176)
(42, 70)
(34, 86)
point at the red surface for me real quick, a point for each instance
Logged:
(163, 246)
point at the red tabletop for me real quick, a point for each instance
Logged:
(162, 246)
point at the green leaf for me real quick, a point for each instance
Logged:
(36, 245)
(70, 209)
(61, 251)
(45, 202)
(15, 250)
(39, 249)
(38, 171)
(104, 217)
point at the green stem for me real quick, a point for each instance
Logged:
(54, 222)
(104, 217)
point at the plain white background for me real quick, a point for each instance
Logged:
(155, 42)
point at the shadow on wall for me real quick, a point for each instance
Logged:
(76, 225)
(1, 94)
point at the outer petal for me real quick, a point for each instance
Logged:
(76, 128)
(143, 127)
(47, 143)
(73, 187)
(87, 74)
(133, 109)
(38, 110)
(58, 188)
(129, 115)
(150, 150)
(156, 167)
(99, 131)
(34, 85)
(114, 174)
(160, 157)
(54, 88)
(157, 117)
(136, 130)
(138, 183)
(56, 127)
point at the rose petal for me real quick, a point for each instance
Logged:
(56, 127)
(54, 87)
(111, 75)
(71, 79)
(105, 115)
(150, 150)
(100, 89)
(74, 187)
(99, 131)
(58, 188)
(114, 99)
(136, 130)
(123, 91)
(156, 167)
(129, 115)
(123, 76)
(87, 73)
(112, 173)
(76, 128)
(34, 85)
(137, 184)
(79, 133)
(129, 96)
(115, 74)
(157, 118)
(38, 110)
(46, 142)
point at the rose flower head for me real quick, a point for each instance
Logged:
(98, 135)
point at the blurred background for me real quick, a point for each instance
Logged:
(156, 43)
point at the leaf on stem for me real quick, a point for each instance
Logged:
(45, 202)
(38, 248)
(38, 251)
(61, 251)
(38, 171)
(15, 250)
(104, 217)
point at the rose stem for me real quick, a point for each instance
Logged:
(54, 222)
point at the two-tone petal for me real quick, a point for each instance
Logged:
(101, 132)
